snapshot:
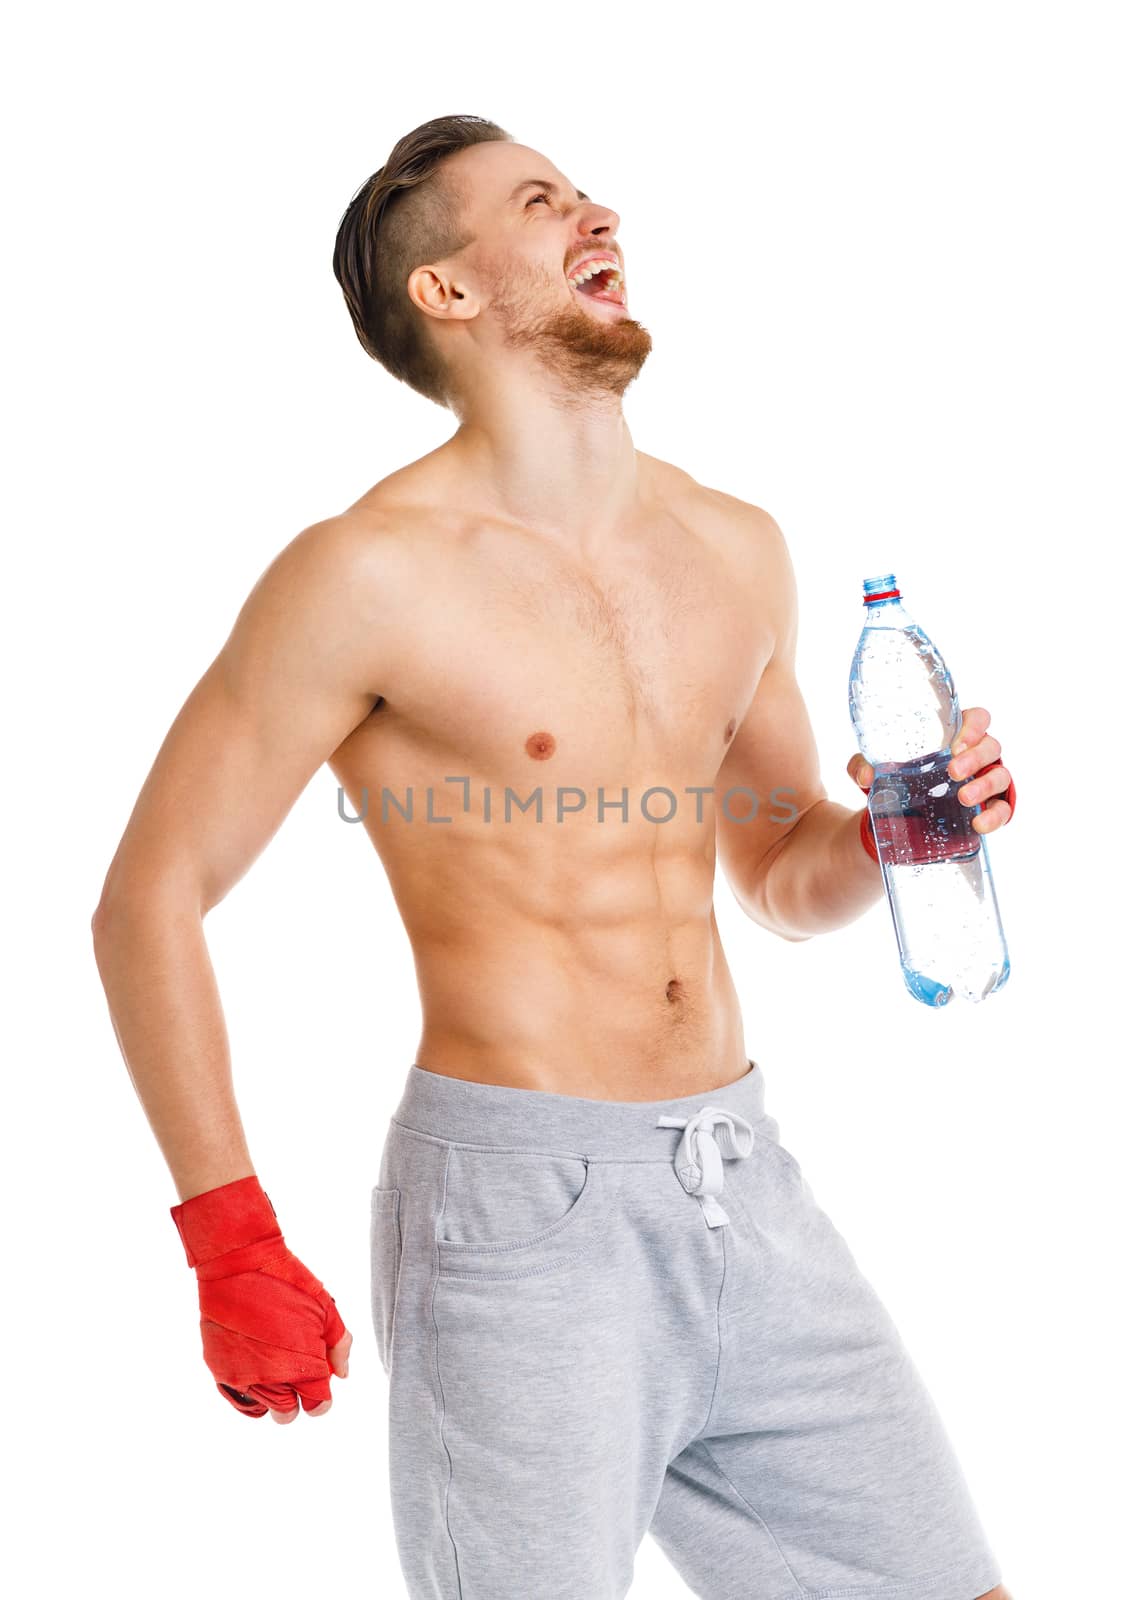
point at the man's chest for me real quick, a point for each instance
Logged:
(530, 663)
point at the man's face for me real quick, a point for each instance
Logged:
(532, 231)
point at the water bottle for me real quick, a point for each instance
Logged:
(933, 863)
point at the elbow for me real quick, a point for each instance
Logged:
(106, 924)
(780, 929)
(106, 912)
(129, 903)
(755, 907)
(100, 921)
(756, 903)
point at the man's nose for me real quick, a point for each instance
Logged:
(599, 220)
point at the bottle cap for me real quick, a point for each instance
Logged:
(883, 588)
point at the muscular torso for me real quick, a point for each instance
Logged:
(571, 952)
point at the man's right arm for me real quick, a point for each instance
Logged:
(300, 669)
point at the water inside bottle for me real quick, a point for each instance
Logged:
(934, 864)
(917, 815)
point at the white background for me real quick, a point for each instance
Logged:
(902, 332)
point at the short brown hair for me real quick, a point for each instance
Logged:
(406, 214)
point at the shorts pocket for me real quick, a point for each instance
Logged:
(386, 1244)
(512, 1213)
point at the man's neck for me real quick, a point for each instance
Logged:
(572, 474)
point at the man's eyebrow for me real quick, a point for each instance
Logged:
(540, 183)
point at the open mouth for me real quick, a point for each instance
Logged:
(600, 280)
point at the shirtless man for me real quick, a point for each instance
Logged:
(603, 1292)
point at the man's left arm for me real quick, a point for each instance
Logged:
(794, 857)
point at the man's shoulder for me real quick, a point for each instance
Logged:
(341, 555)
(740, 515)
(747, 537)
(375, 541)
(416, 508)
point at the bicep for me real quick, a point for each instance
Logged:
(290, 683)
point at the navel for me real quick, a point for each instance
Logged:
(730, 729)
(673, 990)
(540, 746)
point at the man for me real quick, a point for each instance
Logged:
(604, 1293)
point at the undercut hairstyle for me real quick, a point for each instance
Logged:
(408, 213)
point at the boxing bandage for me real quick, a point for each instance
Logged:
(866, 821)
(266, 1321)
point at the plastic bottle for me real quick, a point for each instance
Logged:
(933, 863)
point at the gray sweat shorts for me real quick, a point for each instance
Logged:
(605, 1318)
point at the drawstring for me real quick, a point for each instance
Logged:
(701, 1154)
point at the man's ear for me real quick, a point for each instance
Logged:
(437, 294)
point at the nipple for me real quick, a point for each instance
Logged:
(540, 746)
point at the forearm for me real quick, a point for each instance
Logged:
(165, 1008)
(821, 877)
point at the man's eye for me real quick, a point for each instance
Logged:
(542, 196)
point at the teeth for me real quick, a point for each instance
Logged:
(590, 268)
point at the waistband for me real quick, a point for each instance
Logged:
(463, 1111)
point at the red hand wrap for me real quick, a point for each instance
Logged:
(866, 821)
(266, 1321)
